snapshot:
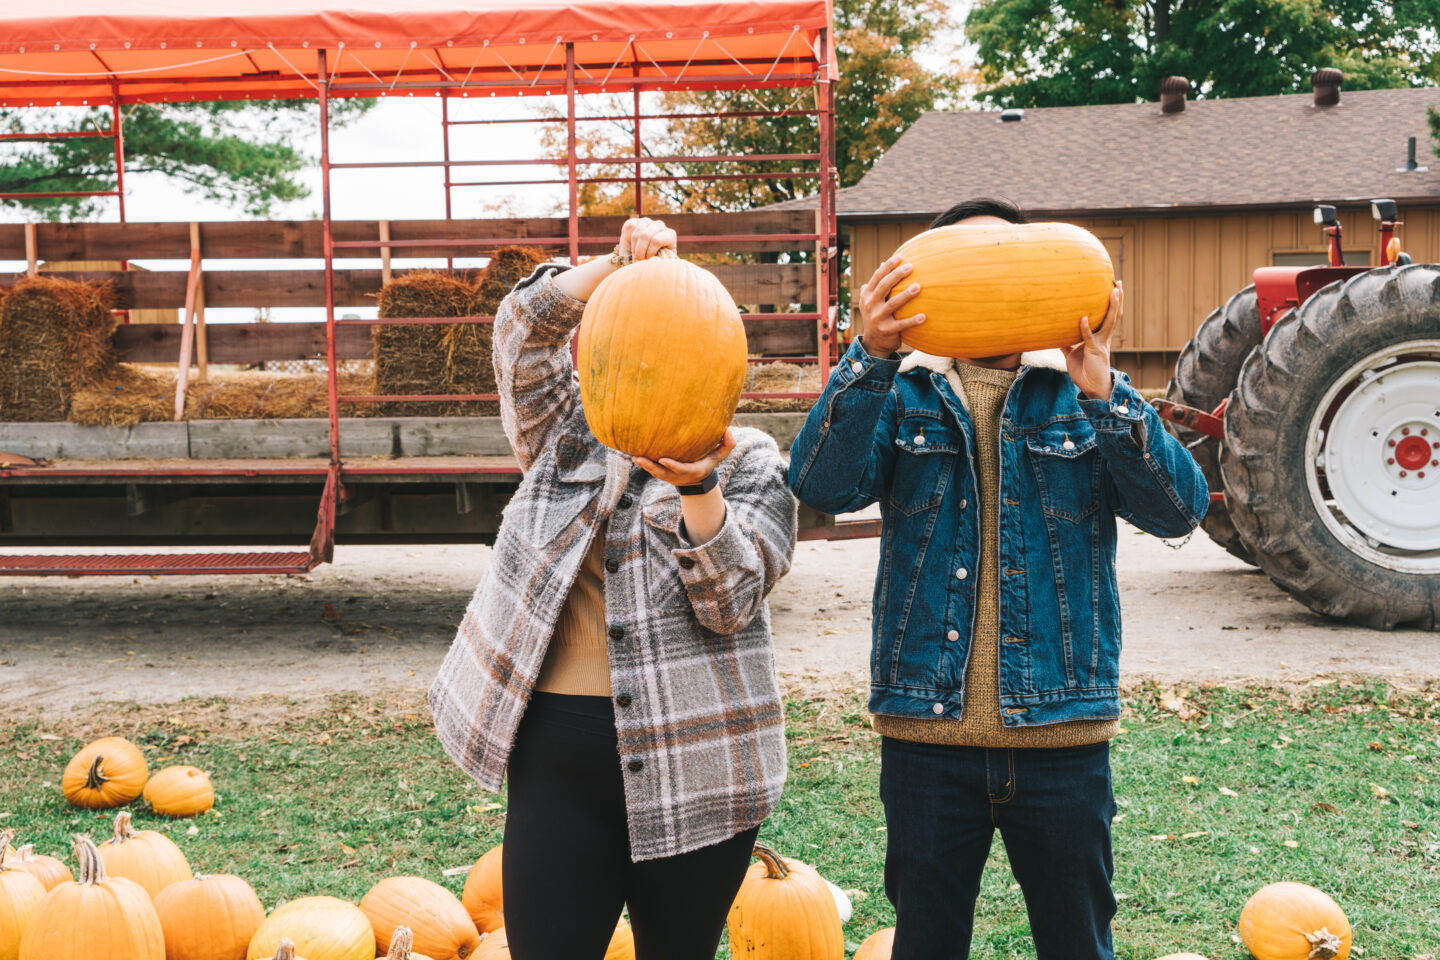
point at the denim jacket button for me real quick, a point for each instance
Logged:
(953, 635)
(938, 708)
(962, 573)
(919, 439)
(1123, 410)
(964, 503)
(857, 367)
(1068, 444)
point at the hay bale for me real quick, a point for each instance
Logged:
(135, 393)
(54, 340)
(780, 378)
(507, 267)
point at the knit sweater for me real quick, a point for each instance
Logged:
(578, 658)
(983, 392)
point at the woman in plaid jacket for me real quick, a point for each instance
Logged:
(615, 663)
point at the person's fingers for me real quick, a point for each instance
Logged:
(1114, 317)
(1087, 336)
(668, 238)
(885, 267)
(888, 282)
(899, 325)
(627, 236)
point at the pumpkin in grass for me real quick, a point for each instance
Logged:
(179, 791)
(95, 916)
(784, 911)
(20, 894)
(150, 859)
(209, 917)
(110, 772)
(877, 946)
(661, 358)
(483, 895)
(442, 928)
(48, 870)
(323, 928)
(493, 946)
(991, 290)
(1294, 921)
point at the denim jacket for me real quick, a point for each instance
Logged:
(900, 436)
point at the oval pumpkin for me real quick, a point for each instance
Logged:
(95, 916)
(784, 911)
(441, 926)
(877, 946)
(150, 859)
(208, 917)
(483, 896)
(179, 791)
(48, 870)
(110, 772)
(661, 359)
(323, 928)
(20, 893)
(1294, 921)
(990, 290)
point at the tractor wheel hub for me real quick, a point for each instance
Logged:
(1412, 452)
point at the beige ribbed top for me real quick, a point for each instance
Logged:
(980, 725)
(578, 658)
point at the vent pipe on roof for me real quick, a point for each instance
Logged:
(1172, 94)
(1326, 82)
(1012, 115)
(1411, 164)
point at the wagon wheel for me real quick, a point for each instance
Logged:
(1206, 372)
(1332, 449)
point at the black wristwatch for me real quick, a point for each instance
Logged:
(706, 484)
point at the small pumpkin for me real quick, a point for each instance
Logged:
(442, 928)
(402, 943)
(1294, 921)
(95, 916)
(784, 911)
(987, 291)
(323, 928)
(208, 917)
(48, 870)
(150, 859)
(661, 357)
(483, 896)
(20, 893)
(110, 772)
(877, 946)
(179, 791)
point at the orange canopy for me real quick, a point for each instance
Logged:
(175, 50)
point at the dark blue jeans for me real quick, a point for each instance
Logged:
(1053, 808)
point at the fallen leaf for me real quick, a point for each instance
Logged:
(1189, 779)
(48, 736)
(454, 871)
(1193, 835)
(193, 831)
(857, 894)
(1291, 844)
(1227, 792)
(1327, 808)
(1161, 836)
(1379, 791)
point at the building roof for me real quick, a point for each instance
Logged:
(1131, 158)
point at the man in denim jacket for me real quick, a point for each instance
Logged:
(995, 667)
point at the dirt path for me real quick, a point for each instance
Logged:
(383, 616)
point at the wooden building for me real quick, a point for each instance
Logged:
(1189, 202)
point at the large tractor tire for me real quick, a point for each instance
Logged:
(1332, 450)
(1208, 369)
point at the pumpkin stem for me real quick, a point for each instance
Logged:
(775, 868)
(5, 837)
(401, 942)
(286, 949)
(92, 868)
(124, 830)
(1323, 944)
(95, 777)
(22, 853)
(667, 253)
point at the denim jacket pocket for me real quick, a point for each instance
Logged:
(926, 449)
(1067, 469)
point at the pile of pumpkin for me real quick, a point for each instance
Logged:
(136, 898)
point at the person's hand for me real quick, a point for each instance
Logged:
(680, 474)
(882, 330)
(643, 238)
(1088, 361)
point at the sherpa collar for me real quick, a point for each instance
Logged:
(945, 366)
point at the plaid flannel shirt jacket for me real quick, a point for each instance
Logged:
(697, 705)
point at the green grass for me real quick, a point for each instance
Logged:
(1337, 785)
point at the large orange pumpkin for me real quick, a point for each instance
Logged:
(1294, 921)
(784, 911)
(96, 916)
(987, 291)
(441, 926)
(208, 917)
(323, 928)
(20, 893)
(150, 859)
(661, 358)
(179, 791)
(48, 870)
(483, 896)
(877, 946)
(110, 772)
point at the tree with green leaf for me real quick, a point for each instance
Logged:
(240, 153)
(1049, 53)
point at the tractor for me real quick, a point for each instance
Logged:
(1311, 401)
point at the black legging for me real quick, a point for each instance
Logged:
(566, 862)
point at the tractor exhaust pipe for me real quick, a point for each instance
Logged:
(1326, 82)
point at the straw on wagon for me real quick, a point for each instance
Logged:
(54, 340)
(781, 378)
(134, 394)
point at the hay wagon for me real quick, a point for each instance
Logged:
(107, 438)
